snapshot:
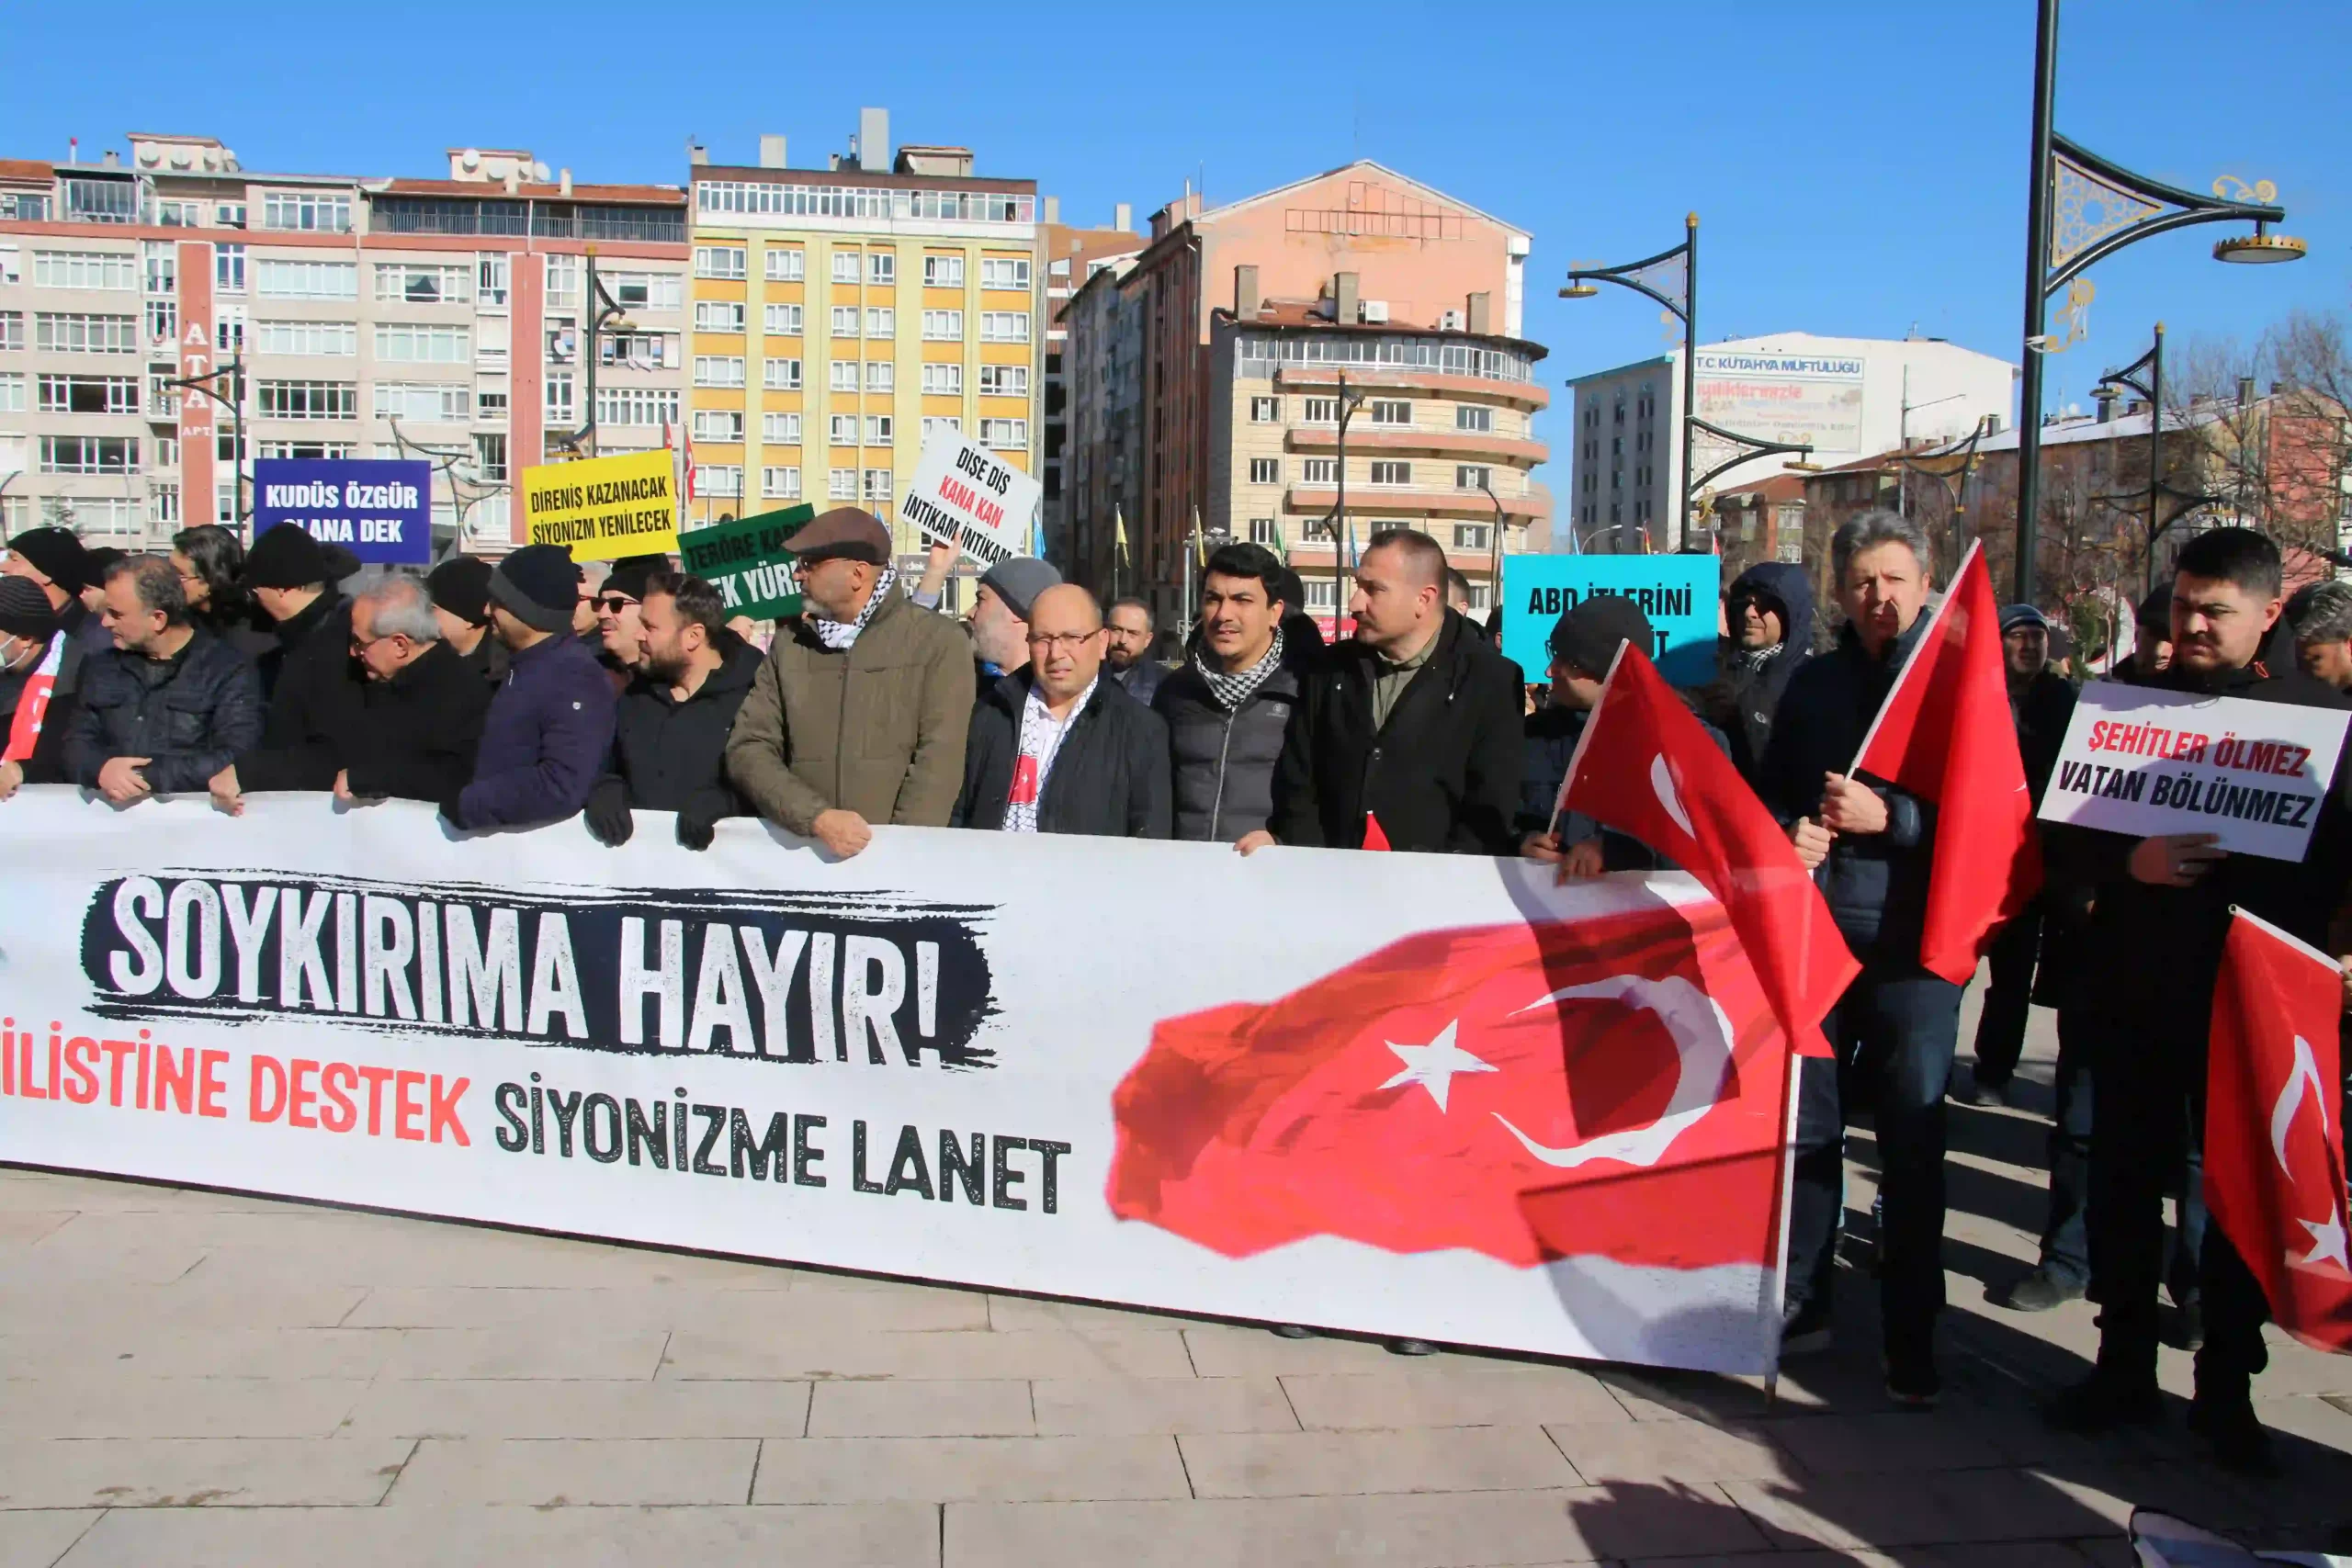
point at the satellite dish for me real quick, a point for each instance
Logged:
(539, 172)
(469, 159)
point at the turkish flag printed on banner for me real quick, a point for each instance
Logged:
(2274, 1140)
(1945, 734)
(1602, 1086)
(1654, 773)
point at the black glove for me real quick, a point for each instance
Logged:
(607, 812)
(698, 818)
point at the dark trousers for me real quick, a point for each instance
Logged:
(1895, 1031)
(2009, 995)
(2066, 1238)
(2151, 1124)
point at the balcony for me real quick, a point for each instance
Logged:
(1466, 445)
(1417, 500)
(1526, 395)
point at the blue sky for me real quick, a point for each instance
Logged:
(1859, 168)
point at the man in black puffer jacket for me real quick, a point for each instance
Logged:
(1228, 705)
(1771, 612)
(1056, 748)
(670, 731)
(315, 692)
(2160, 912)
(1894, 1029)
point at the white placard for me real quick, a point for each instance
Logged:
(2147, 762)
(918, 1063)
(968, 493)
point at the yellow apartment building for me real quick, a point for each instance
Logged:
(841, 314)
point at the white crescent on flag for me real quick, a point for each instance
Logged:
(1669, 795)
(1701, 1035)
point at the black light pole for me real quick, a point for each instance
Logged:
(2080, 209)
(1349, 404)
(2153, 390)
(1683, 304)
(602, 310)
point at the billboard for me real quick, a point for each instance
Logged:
(1796, 399)
(378, 509)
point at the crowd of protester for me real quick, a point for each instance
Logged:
(533, 689)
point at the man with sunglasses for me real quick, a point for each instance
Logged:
(619, 603)
(1057, 748)
(1770, 617)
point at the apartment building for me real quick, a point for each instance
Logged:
(369, 317)
(1102, 452)
(1418, 266)
(1072, 256)
(842, 313)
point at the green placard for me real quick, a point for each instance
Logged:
(747, 563)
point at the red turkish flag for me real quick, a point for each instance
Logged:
(1608, 1086)
(2274, 1143)
(1946, 735)
(1655, 776)
(1373, 837)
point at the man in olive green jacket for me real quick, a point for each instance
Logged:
(858, 716)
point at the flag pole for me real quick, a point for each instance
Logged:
(1935, 621)
(1583, 737)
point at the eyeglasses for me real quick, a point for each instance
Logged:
(1071, 640)
(613, 603)
(360, 646)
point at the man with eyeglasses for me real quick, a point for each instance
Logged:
(858, 713)
(1057, 748)
(424, 706)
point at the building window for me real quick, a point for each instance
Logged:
(414, 284)
(934, 424)
(877, 485)
(308, 212)
(1482, 597)
(12, 393)
(720, 261)
(943, 326)
(780, 375)
(841, 484)
(401, 343)
(1318, 470)
(228, 268)
(163, 504)
(845, 270)
(943, 380)
(844, 321)
(164, 321)
(942, 272)
(1265, 531)
(1005, 435)
(780, 429)
(77, 394)
(490, 458)
(489, 400)
(786, 266)
(1789, 547)
(562, 282)
(1004, 380)
(878, 429)
(1472, 476)
(336, 339)
(228, 329)
(1005, 272)
(718, 424)
(1392, 473)
(306, 280)
(1472, 535)
(718, 369)
(881, 320)
(310, 400)
(719, 479)
(1004, 326)
(719, 315)
(1465, 417)
(429, 402)
(881, 376)
(1265, 471)
(780, 484)
(636, 405)
(315, 449)
(780, 321)
(841, 375)
(882, 267)
(1320, 593)
(644, 291)
(74, 333)
(1265, 410)
(1321, 411)
(89, 454)
(83, 269)
(558, 402)
(841, 429)
(1391, 411)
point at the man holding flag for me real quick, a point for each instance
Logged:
(1894, 766)
(35, 700)
(2160, 913)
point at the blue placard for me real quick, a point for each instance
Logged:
(1678, 594)
(378, 509)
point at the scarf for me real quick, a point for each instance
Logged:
(1753, 659)
(839, 635)
(1232, 691)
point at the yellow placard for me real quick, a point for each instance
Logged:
(604, 508)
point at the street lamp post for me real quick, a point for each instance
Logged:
(1336, 523)
(1953, 479)
(233, 375)
(603, 311)
(2080, 209)
(2153, 390)
(1495, 555)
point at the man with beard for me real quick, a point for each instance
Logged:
(1228, 706)
(670, 735)
(1129, 624)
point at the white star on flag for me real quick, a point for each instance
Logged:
(1434, 1066)
(2328, 1243)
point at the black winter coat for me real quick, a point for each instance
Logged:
(1753, 690)
(315, 700)
(2149, 954)
(667, 752)
(1876, 884)
(1442, 775)
(1109, 777)
(1552, 736)
(2043, 712)
(418, 731)
(1221, 763)
(190, 716)
(46, 764)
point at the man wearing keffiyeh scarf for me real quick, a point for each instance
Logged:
(1227, 708)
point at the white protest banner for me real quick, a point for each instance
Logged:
(969, 495)
(2148, 763)
(1488, 1110)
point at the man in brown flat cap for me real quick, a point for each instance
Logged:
(859, 711)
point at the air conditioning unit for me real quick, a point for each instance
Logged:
(1374, 312)
(1450, 322)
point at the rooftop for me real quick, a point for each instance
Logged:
(1302, 315)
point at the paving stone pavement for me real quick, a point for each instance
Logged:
(191, 1378)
